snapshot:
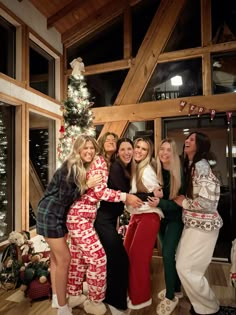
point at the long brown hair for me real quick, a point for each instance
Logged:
(203, 145)
(101, 142)
(175, 168)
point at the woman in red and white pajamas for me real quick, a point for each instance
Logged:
(87, 254)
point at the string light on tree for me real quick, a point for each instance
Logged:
(77, 113)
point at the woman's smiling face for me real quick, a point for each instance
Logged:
(190, 146)
(125, 152)
(165, 153)
(141, 150)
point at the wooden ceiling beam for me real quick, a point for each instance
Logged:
(53, 19)
(165, 108)
(106, 67)
(95, 21)
(196, 52)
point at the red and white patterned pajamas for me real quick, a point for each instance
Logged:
(87, 253)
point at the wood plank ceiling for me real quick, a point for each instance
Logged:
(70, 17)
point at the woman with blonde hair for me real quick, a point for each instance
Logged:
(87, 254)
(169, 172)
(66, 186)
(143, 227)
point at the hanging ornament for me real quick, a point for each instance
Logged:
(201, 110)
(62, 129)
(213, 113)
(191, 109)
(182, 105)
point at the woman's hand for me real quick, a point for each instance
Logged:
(153, 201)
(179, 200)
(158, 192)
(94, 181)
(133, 201)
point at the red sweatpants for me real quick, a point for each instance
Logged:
(139, 243)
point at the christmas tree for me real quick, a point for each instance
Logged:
(77, 113)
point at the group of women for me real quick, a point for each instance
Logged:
(86, 196)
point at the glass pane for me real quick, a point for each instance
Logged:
(103, 46)
(140, 129)
(187, 32)
(174, 79)
(7, 51)
(98, 129)
(223, 21)
(143, 11)
(7, 126)
(42, 70)
(224, 73)
(42, 159)
(178, 129)
(104, 87)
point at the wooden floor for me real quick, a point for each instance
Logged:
(218, 275)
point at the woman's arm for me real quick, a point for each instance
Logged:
(206, 190)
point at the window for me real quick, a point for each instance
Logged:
(7, 140)
(175, 79)
(97, 48)
(223, 73)
(42, 159)
(42, 70)
(7, 51)
(104, 87)
(187, 32)
(140, 129)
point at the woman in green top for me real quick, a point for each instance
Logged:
(169, 170)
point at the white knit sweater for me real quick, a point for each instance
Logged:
(201, 211)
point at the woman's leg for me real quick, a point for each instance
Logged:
(169, 245)
(140, 255)
(60, 260)
(117, 264)
(193, 257)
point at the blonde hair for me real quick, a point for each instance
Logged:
(175, 168)
(76, 165)
(138, 168)
(101, 142)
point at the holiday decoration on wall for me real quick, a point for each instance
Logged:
(199, 110)
(77, 113)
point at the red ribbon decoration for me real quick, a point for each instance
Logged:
(229, 116)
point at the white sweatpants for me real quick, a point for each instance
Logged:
(193, 256)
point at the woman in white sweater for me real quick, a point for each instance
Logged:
(201, 224)
(143, 227)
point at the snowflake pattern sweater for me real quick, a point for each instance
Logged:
(201, 211)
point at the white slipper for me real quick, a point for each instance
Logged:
(94, 308)
(115, 311)
(76, 300)
(167, 306)
(162, 294)
(139, 306)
